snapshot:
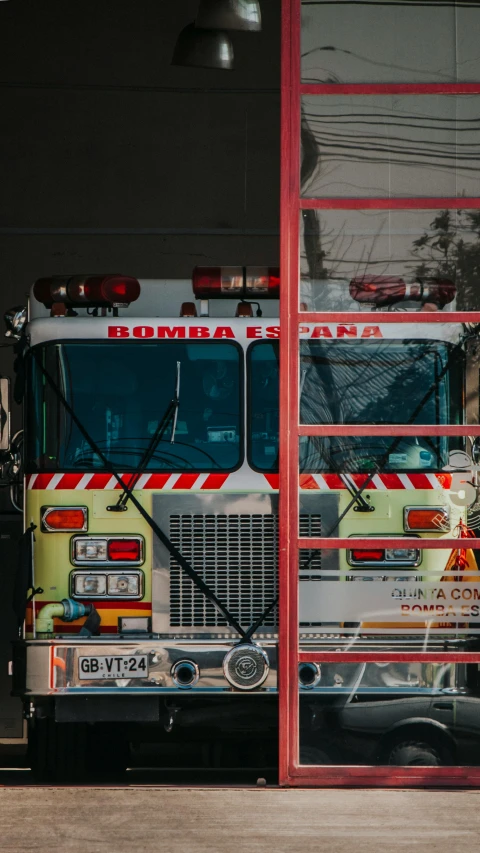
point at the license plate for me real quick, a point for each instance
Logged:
(118, 666)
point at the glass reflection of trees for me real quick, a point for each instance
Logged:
(384, 382)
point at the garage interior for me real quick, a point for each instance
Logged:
(113, 159)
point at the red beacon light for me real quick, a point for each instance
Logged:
(236, 282)
(382, 290)
(93, 291)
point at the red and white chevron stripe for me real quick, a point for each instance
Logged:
(107, 481)
(379, 482)
(215, 482)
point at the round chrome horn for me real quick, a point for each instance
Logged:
(246, 667)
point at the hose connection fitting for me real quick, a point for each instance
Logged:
(67, 610)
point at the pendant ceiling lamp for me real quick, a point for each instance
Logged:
(229, 15)
(203, 48)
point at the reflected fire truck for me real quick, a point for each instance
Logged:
(147, 475)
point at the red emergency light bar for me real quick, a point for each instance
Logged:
(236, 282)
(381, 290)
(93, 291)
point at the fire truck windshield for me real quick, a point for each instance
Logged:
(120, 392)
(367, 382)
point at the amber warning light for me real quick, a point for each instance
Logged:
(64, 518)
(236, 282)
(93, 291)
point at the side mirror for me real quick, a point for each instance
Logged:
(15, 321)
(5, 407)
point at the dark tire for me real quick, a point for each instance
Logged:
(110, 753)
(414, 754)
(76, 753)
(57, 752)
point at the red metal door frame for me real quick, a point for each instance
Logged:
(290, 771)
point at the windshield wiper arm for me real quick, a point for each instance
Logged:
(171, 410)
(177, 403)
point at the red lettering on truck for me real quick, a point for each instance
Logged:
(171, 332)
(118, 332)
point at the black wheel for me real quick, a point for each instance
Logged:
(414, 754)
(73, 753)
(110, 752)
(57, 751)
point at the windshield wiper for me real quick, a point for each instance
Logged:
(162, 426)
(177, 403)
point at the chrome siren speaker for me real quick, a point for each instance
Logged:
(246, 667)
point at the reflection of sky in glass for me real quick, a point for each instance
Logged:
(407, 42)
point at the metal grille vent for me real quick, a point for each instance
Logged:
(310, 561)
(237, 556)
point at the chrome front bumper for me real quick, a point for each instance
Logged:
(51, 667)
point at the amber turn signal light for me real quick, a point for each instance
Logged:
(58, 519)
(424, 519)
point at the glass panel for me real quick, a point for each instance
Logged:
(109, 386)
(369, 489)
(390, 146)
(389, 380)
(407, 714)
(390, 42)
(397, 599)
(263, 411)
(437, 457)
(397, 260)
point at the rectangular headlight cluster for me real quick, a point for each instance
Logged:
(107, 550)
(107, 585)
(375, 557)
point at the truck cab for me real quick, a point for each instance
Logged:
(149, 587)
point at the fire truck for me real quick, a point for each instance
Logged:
(147, 474)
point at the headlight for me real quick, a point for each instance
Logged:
(123, 585)
(107, 585)
(407, 554)
(85, 585)
(87, 550)
(107, 550)
(374, 557)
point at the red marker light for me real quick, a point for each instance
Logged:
(124, 550)
(364, 554)
(217, 282)
(95, 291)
(378, 289)
(381, 290)
(244, 282)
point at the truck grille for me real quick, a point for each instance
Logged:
(237, 557)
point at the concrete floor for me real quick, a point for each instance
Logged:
(212, 820)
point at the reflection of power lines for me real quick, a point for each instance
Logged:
(334, 144)
(369, 61)
(347, 117)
